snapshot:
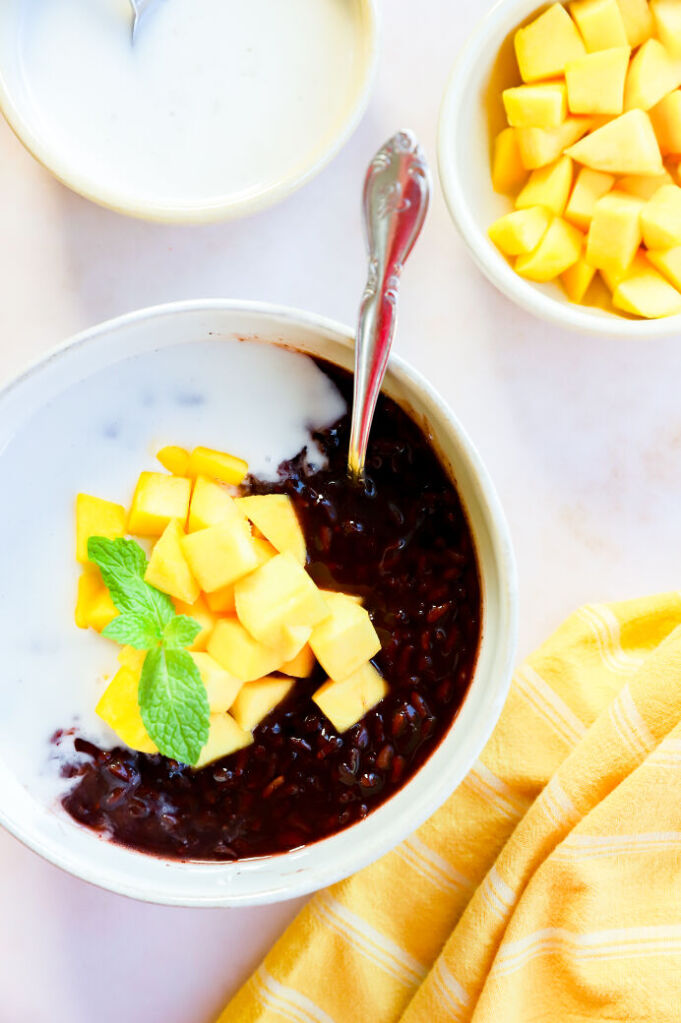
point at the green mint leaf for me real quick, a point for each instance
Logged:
(123, 564)
(180, 631)
(133, 630)
(173, 704)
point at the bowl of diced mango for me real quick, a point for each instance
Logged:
(560, 159)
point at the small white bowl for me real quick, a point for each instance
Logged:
(471, 114)
(48, 830)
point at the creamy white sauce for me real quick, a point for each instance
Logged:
(215, 97)
(248, 398)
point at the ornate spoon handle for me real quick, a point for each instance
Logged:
(396, 196)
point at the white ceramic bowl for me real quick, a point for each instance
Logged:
(76, 849)
(292, 90)
(471, 114)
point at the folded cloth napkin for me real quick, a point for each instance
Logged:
(548, 887)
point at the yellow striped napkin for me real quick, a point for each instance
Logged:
(548, 887)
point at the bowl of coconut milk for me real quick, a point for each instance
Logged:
(215, 110)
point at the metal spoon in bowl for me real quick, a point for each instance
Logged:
(396, 196)
(138, 9)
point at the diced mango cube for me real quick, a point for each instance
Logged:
(626, 145)
(202, 614)
(168, 569)
(220, 554)
(130, 657)
(638, 20)
(545, 46)
(210, 503)
(301, 665)
(589, 187)
(279, 594)
(221, 687)
(535, 106)
(615, 232)
(239, 653)
(294, 638)
(653, 73)
(521, 231)
(508, 170)
(661, 218)
(157, 500)
(560, 247)
(275, 516)
(96, 517)
(548, 187)
(345, 703)
(612, 277)
(668, 262)
(345, 640)
(94, 606)
(646, 293)
(644, 186)
(225, 736)
(218, 465)
(539, 147)
(119, 708)
(222, 601)
(577, 279)
(600, 24)
(595, 83)
(666, 121)
(259, 698)
(667, 16)
(174, 459)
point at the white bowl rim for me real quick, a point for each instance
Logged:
(485, 255)
(380, 831)
(221, 208)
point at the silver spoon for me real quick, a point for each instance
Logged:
(396, 197)
(138, 9)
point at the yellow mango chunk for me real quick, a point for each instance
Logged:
(224, 737)
(221, 687)
(668, 262)
(600, 24)
(595, 83)
(168, 569)
(345, 703)
(119, 708)
(626, 145)
(577, 279)
(661, 218)
(210, 503)
(646, 293)
(294, 638)
(301, 665)
(259, 698)
(535, 106)
(277, 595)
(345, 640)
(638, 20)
(560, 247)
(539, 147)
(521, 231)
(612, 277)
(589, 187)
(545, 46)
(275, 516)
(174, 459)
(508, 170)
(218, 465)
(240, 654)
(130, 657)
(642, 185)
(615, 232)
(220, 554)
(201, 613)
(157, 500)
(667, 17)
(548, 187)
(94, 607)
(652, 74)
(96, 517)
(666, 121)
(222, 601)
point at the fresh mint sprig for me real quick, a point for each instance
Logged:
(172, 696)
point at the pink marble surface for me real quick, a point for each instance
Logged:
(582, 436)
